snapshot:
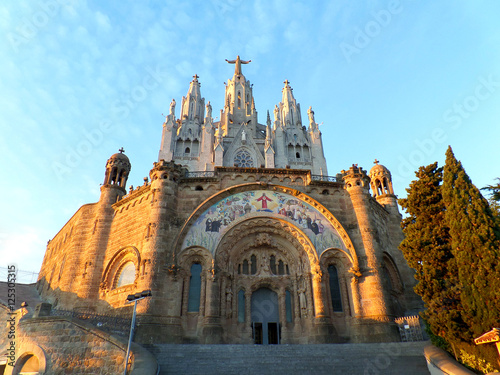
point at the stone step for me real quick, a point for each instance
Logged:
(345, 359)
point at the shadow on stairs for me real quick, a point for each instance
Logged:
(395, 358)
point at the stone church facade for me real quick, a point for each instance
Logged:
(240, 234)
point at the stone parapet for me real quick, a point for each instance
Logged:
(441, 363)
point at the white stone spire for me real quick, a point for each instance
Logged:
(290, 110)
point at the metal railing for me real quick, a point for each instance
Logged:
(410, 328)
(317, 177)
(108, 323)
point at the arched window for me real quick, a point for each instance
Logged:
(253, 264)
(335, 289)
(194, 288)
(297, 155)
(281, 268)
(241, 306)
(245, 267)
(187, 151)
(126, 275)
(386, 186)
(272, 263)
(239, 100)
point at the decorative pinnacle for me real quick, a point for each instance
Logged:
(196, 76)
(121, 150)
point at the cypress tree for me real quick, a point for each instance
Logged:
(475, 240)
(427, 248)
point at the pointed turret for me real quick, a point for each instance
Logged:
(318, 156)
(186, 148)
(239, 102)
(290, 110)
(207, 141)
(268, 148)
(168, 136)
(193, 105)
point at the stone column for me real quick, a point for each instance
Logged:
(319, 296)
(324, 331)
(212, 328)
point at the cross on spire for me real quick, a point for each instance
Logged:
(376, 162)
(121, 150)
(196, 76)
(286, 82)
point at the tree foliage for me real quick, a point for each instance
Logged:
(494, 190)
(453, 243)
(427, 248)
(475, 242)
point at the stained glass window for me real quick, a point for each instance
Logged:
(243, 159)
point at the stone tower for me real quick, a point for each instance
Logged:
(375, 304)
(112, 190)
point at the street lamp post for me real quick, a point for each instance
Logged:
(134, 298)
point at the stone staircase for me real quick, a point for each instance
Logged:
(345, 359)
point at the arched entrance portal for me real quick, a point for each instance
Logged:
(265, 317)
(265, 276)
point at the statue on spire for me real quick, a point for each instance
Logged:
(237, 67)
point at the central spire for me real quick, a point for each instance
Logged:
(237, 67)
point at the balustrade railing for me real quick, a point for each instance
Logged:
(317, 177)
(200, 174)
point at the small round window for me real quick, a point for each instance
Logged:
(127, 275)
(243, 159)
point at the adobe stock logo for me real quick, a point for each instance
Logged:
(371, 30)
(30, 26)
(454, 118)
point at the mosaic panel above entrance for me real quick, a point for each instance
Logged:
(216, 220)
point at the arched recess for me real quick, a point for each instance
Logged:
(262, 239)
(32, 360)
(262, 186)
(394, 285)
(263, 231)
(343, 264)
(186, 259)
(119, 263)
(194, 254)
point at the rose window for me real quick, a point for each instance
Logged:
(243, 159)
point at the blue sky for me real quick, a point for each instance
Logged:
(394, 80)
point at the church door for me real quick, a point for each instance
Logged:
(265, 317)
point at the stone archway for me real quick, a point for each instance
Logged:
(267, 254)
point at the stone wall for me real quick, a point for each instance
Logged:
(68, 346)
